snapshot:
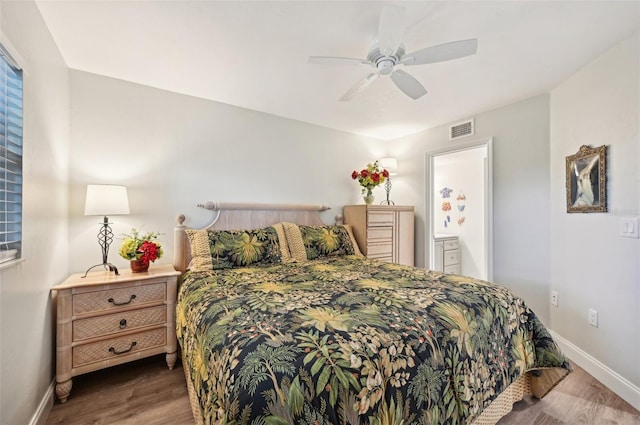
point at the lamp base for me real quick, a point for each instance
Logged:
(387, 188)
(105, 236)
(109, 266)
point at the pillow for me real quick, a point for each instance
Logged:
(294, 242)
(282, 240)
(356, 248)
(200, 254)
(224, 249)
(318, 241)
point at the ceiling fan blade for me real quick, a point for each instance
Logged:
(409, 85)
(330, 60)
(359, 86)
(441, 52)
(390, 29)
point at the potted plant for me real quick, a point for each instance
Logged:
(141, 249)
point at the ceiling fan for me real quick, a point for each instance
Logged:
(388, 53)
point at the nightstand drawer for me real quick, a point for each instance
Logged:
(114, 298)
(384, 233)
(380, 218)
(117, 347)
(118, 322)
(451, 257)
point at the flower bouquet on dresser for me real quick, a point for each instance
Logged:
(369, 178)
(141, 249)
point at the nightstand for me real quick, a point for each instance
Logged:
(104, 320)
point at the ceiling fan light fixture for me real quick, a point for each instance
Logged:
(385, 66)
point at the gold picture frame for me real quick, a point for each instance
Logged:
(586, 182)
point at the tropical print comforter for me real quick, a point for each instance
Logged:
(348, 340)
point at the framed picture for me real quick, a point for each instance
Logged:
(587, 180)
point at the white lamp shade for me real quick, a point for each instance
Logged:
(390, 164)
(105, 199)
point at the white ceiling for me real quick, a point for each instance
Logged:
(254, 54)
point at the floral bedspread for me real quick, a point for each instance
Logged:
(347, 340)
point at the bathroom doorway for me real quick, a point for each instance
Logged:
(459, 206)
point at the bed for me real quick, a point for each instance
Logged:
(281, 320)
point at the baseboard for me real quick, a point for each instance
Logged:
(612, 380)
(41, 414)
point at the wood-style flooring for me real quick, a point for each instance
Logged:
(145, 392)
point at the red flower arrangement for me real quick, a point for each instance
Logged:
(142, 247)
(149, 252)
(370, 177)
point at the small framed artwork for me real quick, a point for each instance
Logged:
(587, 180)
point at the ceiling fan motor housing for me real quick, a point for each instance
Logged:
(383, 63)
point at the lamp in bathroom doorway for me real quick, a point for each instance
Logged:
(391, 165)
(106, 200)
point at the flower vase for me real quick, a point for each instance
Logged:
(369, 198)
(139, 266)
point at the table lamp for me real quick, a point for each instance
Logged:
(105, 200)
(391, 165)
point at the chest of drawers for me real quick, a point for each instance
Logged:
(447, 254)
(105, 320)
(384, 232)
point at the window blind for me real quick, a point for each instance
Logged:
(10, 158)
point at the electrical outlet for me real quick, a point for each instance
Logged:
(593, 317)
(554, 298)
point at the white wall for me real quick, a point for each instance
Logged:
(463, 172)
(520, 192)
(591, 266)
(26, 317)
(173, 151)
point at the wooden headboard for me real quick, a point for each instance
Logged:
(230, 216)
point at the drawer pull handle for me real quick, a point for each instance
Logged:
(123, 323)
(131, 298)
(114, 351)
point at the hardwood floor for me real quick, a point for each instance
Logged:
(144, 392)
(578, 400)
(147, 393)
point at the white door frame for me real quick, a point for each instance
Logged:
(488, 204)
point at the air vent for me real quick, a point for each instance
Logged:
(461, 130)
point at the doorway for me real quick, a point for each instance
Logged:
(459, 207)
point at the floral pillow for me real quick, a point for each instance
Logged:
(324, 241)
(224, 249)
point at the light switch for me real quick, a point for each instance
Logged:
(629, 227)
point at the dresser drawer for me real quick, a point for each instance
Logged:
(452, 269)
(385, 258)
(117, 347)
(123, 296)
(377, 250)
(450, 244)
(118, 322)
(380, 233)
(380, 218)
(451, 257)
